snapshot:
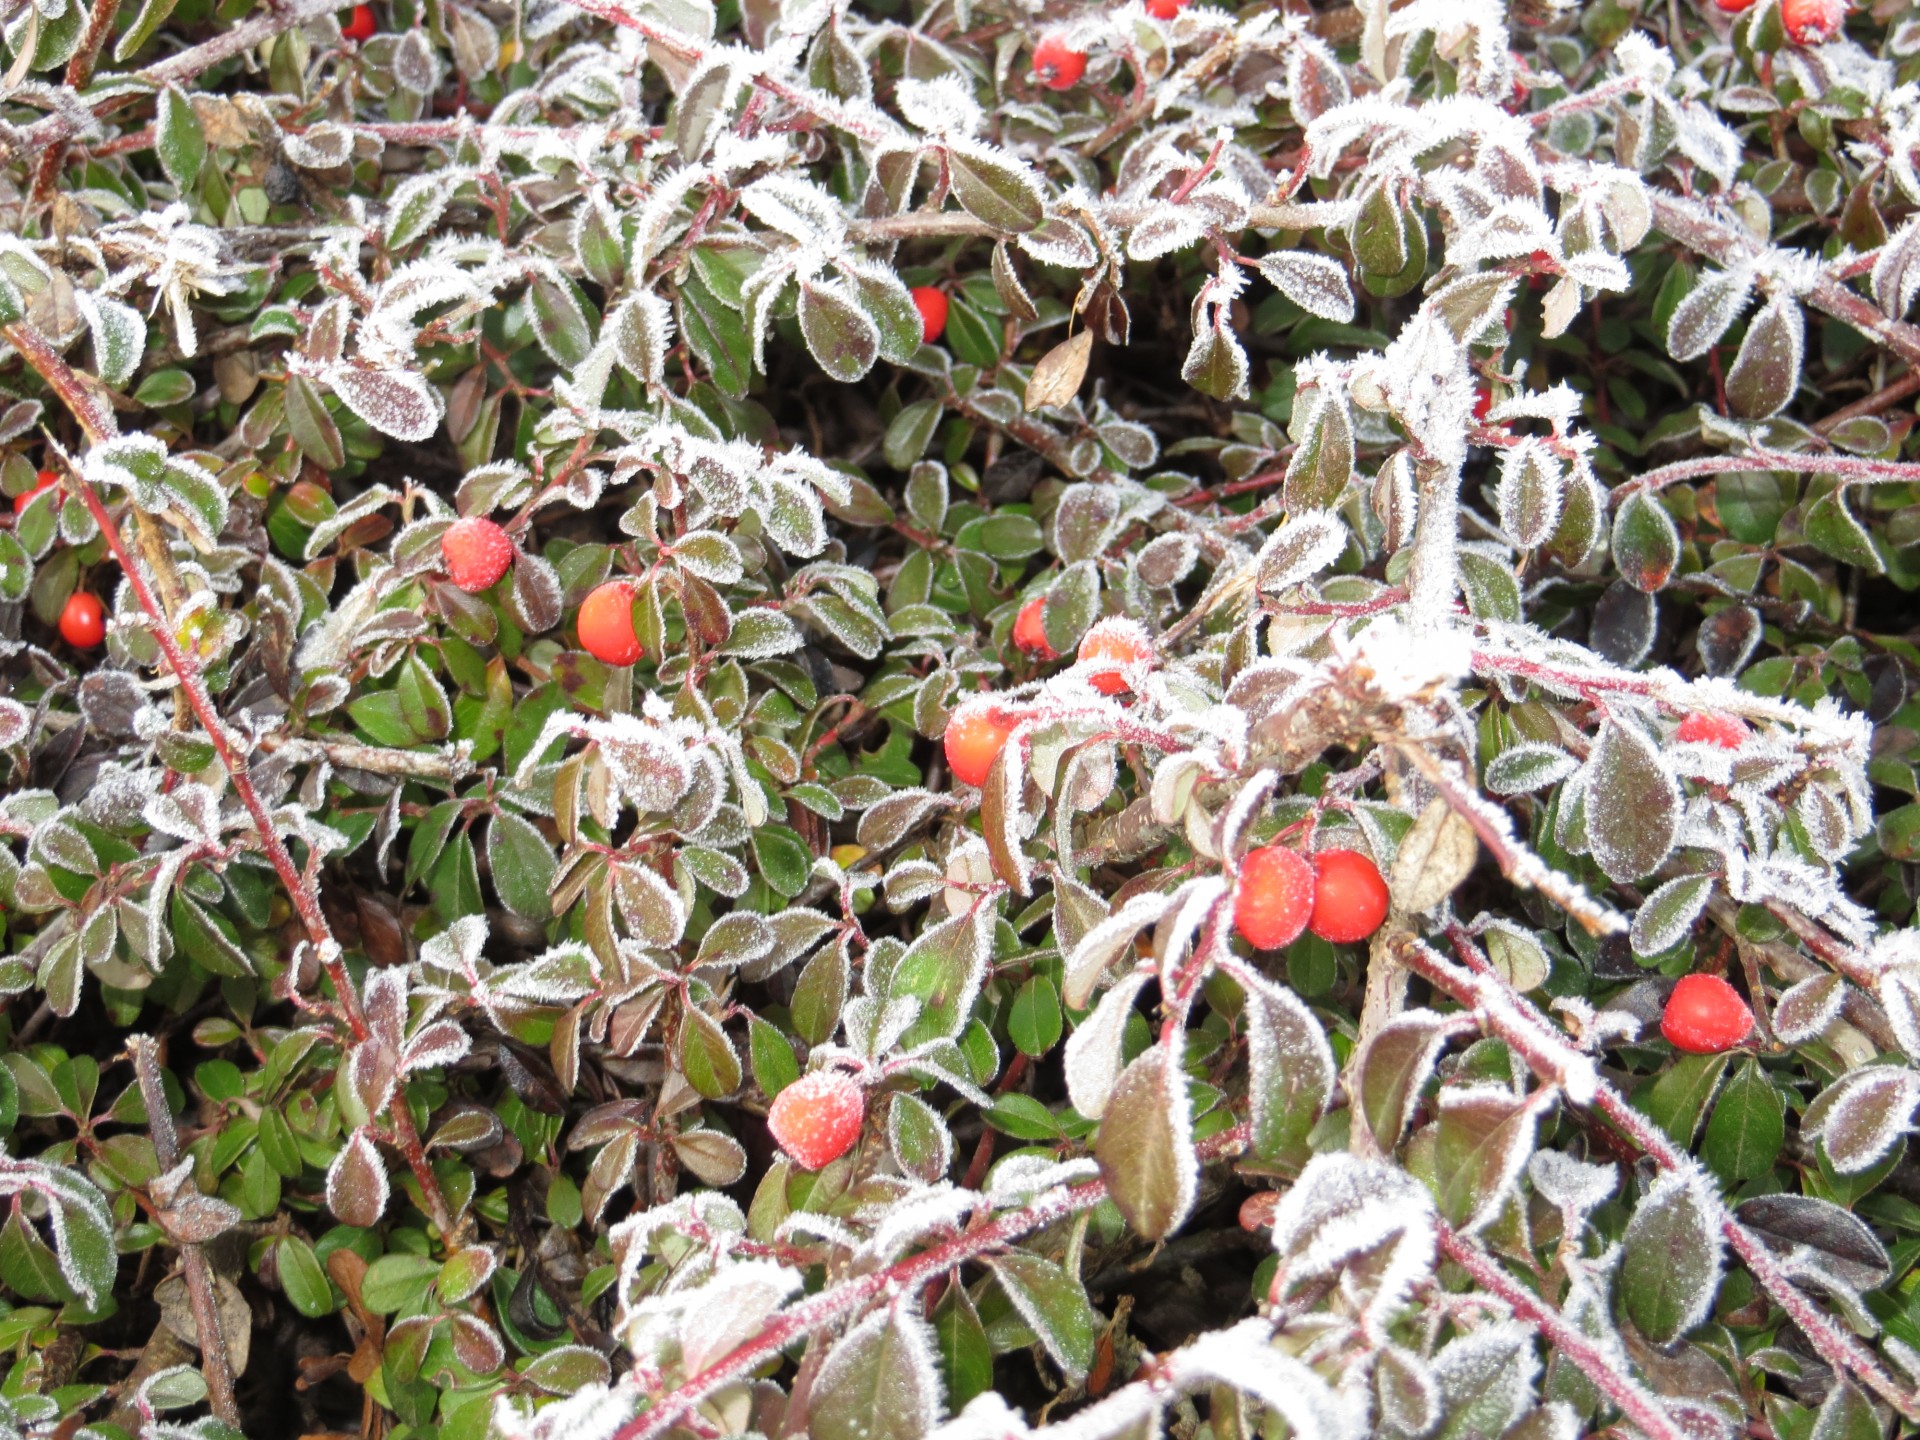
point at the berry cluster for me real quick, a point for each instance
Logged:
(1340, 896)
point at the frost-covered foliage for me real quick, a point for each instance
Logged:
(1471, 439)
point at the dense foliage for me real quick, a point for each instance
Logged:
(973, 517)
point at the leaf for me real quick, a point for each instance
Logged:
(1093, 1053)
(966, 1358)
(1299, 550)
(1323, 462)
(1671, 1259)
(839, 334)
(399, 403)
(1034, 1021)
(1216, 363)
(1291, 1071)
(1707, 312)
(944, 969)
(1846, 1414)
(1434, 858)
(178, 138)
(1766, 372)
(1632, 802)
(1054, 1304)
(1666, 916)
(994, 188)
(1316, 283)
(707, 1056)
(879, 1383)
(1392, 1069)
(357, 1183)
(1145, 1146)
(1056, 379)
(1485, 1138)
(1748, 1127)
(1833, 528)
(1528, 766)
(1532, 486)
(1646, 542)
(1859, 1116)
(1808, 1008)
(301, 1277)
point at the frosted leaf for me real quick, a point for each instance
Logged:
(942, 106)
(880, 1382)
(1667, 915)
(189, 812)
(399, 403)
(1671, 1258)
(1632, 803)
(1810, 1006)
(1106, 943)
(1573, 1187)
(732, 1308)
(1292, 1068)
(1531, 765)
(1343, 1208)
(1707, 311)
(1316, 283)
(1899, 990)
(1486, 1137)
(357, 1188)
(1299, 550)
(1516, 228)
(1860, 1115)
(441, 1043)
(1532, 487)
(1092, 1057)
(1489, 1373)
(1896, 273)
(1245, 1359)
(641, 329)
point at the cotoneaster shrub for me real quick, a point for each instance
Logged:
(500, 934)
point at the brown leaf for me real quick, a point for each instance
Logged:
(1056, 379)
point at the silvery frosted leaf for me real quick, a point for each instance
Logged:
(1489, 1374)
(1054, 1304)
(1092, 1058)
(1632, 803)
(1387, 1075)
(1365, 1214)
(1216, 365)
(1671, 1258)
(1707, 312)
(1766, 372)
(1316, 283)
(1859, 1116)
(357, 1183)
(1145, 1145)
(1245, 1359)
(880, 1382)
(1530, 765)
(1667, 915)
(1896, 273)
(399, 403)
(1529, 495)
(1291, 1073)
(1300, 549)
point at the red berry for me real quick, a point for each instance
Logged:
(1705, 727)
(975, 736)
(361, 25)
(1274, 897)
(1166, 9)
(1705, 1015)
(1349, 897)
(1482, 403)
(1030, 629)
(41, 482)
(1812, 22)
(606, 624)
(83, 623)
(477, 553)
(932, 305)
(1057, 65)
(1734, 7)
(817, 1118)
(1121, 642)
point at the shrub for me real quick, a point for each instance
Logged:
(1454, 457)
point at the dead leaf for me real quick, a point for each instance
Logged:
(1056, 379)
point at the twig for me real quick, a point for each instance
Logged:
(839, 1301)
(1851, 468)
(1614, 1381)
(201, 1296)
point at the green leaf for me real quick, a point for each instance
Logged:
(1646, 542)
(994, 187)
(1034, 1022)
(522, 865)
(302, 1278)
(839, 334)
(178, 138)
(1833, 528)
(1054, 1304)
(966, 1359)
(782, 858)
(1145, 1147)
(1748, 1127)
(774, 1064)
(880, 1382)
(1670, 1266)
(910, 433)
(707, 1056)
(1678, 1098)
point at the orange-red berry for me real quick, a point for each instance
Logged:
(477, 553)
(361, 24)
(1705, 1015)
(1120, 643)
(606, 624)
(1274, 898)
(817, 1118)
(975, 736)
(1166, 9)
(83, 622)
(932, 305)
(1703, 727)
(1734, 7)
(1030, 629)
(41, 482)
(1812, 22)
(1349, 897)
(1057, 65)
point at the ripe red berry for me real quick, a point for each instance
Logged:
(477, 553)
(606, 624)
(1812, 22)
(1274, 897)
(41, 482)
(932, 305)
(817, 1118)
(1734, 7)
(1705, 727)
(1166, 9)
(360, 25)
(1057, 65)
(975, 736)
(1482, 403)
(1705, 1015)
(1349, 897)
(83, 623)
(1120, 642)
(1030, 629)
